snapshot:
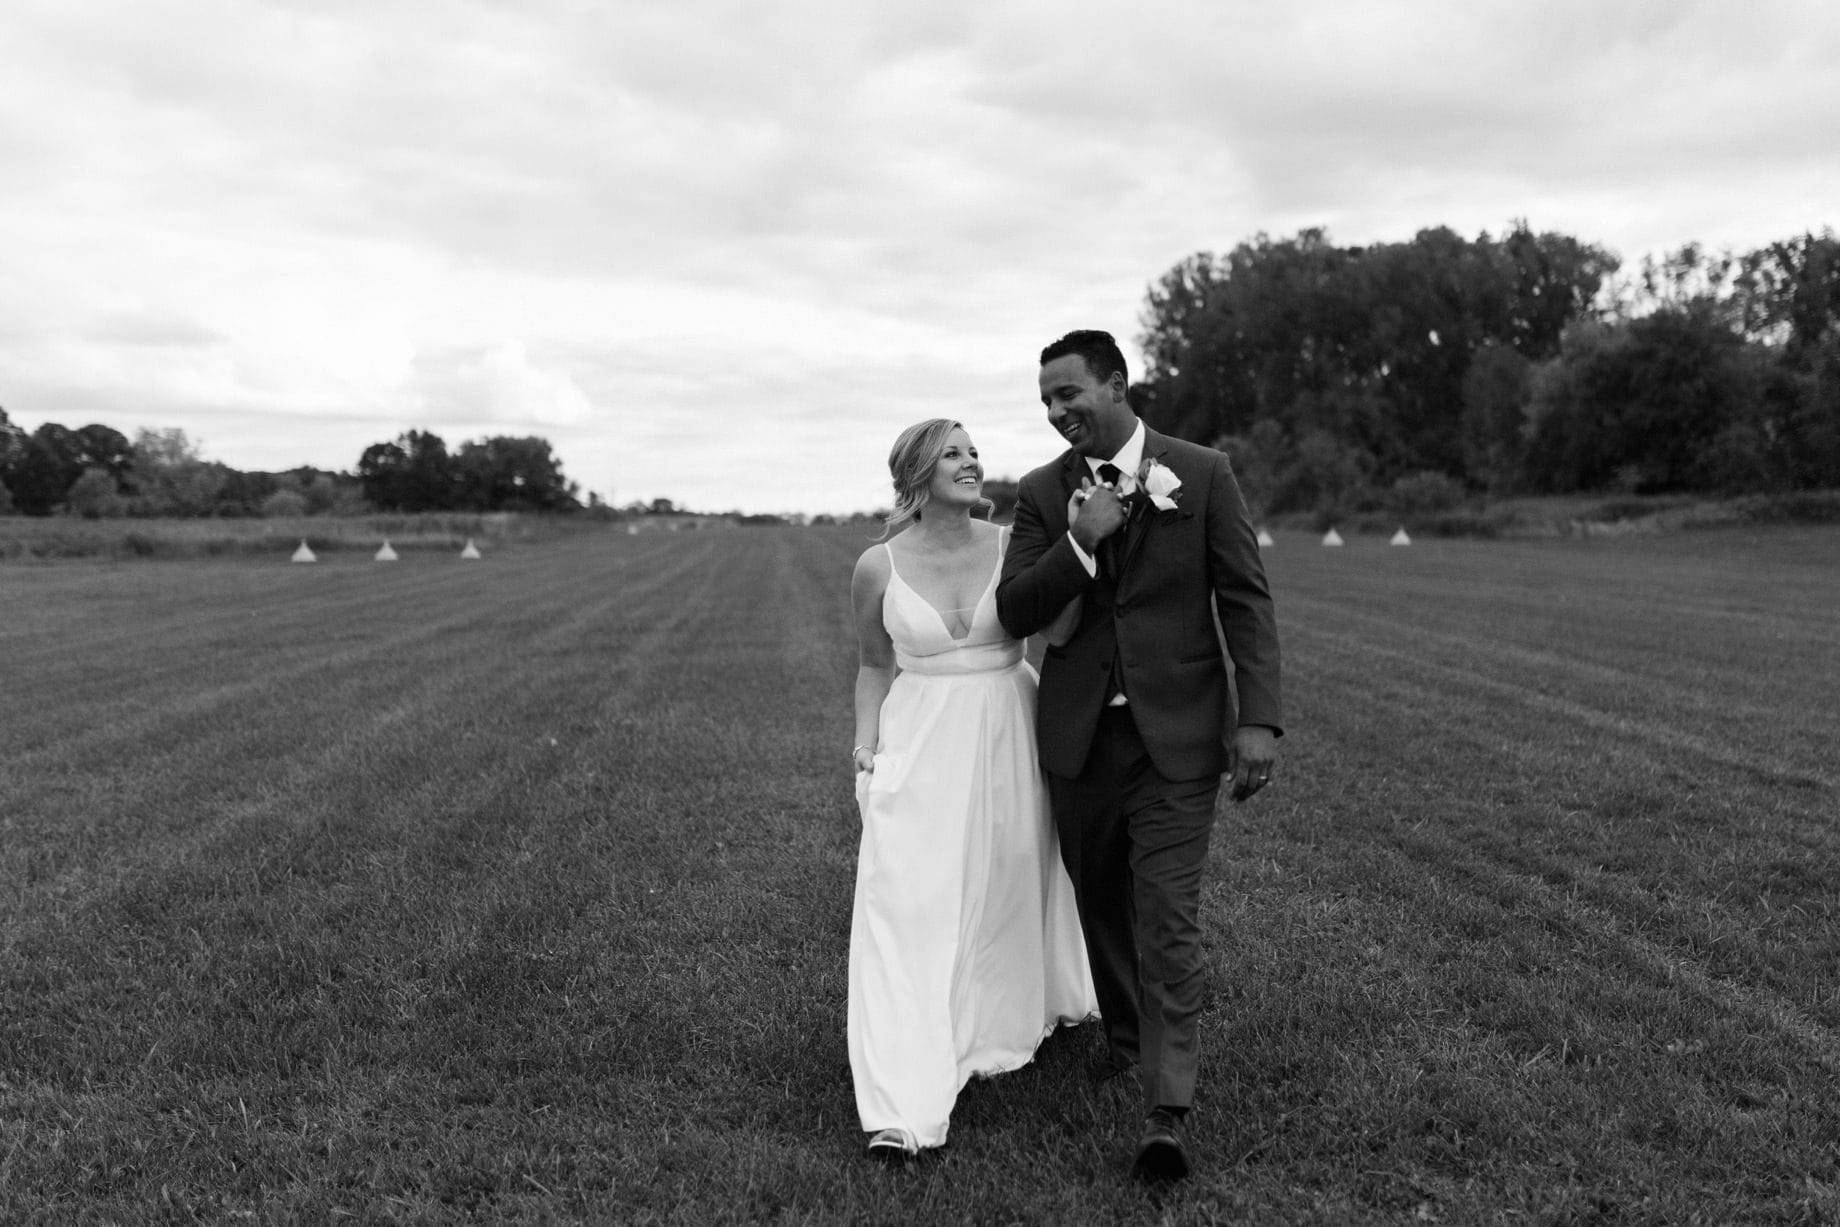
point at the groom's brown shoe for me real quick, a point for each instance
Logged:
(1162, 1150)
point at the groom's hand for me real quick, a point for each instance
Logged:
(1101, 513)
(1255, 754)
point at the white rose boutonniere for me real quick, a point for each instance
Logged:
(1163, 486)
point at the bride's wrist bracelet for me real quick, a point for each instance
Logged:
(855, 750)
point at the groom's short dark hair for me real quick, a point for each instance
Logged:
(1103, 357)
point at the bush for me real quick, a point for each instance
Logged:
(1425, 492)
(288, 503)
(94, 496)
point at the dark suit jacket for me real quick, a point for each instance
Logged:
(1178, 567)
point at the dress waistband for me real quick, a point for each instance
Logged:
(981, 658)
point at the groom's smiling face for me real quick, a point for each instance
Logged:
(1090, 413)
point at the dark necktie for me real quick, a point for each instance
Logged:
(1111, 475)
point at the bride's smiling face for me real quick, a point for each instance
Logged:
(958, 478)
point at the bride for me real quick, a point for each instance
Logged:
(965, 948)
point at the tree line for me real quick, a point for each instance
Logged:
(1406, 376)
(96, 471)
(416, 472)
(1410, 375)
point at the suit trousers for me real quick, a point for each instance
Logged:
(1135, 845)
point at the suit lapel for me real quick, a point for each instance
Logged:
(1073, 467)
(1138, 527)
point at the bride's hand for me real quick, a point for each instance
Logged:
(864, 758)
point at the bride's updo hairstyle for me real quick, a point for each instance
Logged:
(911, 463)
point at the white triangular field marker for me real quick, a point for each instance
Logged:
(1264, 538)
(471, 550)
(1400, 538)
(1332, 538)
(386, 554)
(303, 554)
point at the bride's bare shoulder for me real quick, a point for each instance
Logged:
(871, 567)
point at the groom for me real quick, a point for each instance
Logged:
(1135, 719)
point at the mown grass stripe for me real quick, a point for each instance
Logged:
(530, 899)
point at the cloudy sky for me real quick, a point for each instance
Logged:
(721, 251)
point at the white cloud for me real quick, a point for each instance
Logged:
(769, 236)
(499, 388)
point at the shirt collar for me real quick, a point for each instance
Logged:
(1128, 458)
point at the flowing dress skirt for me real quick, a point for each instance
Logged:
(965, 948)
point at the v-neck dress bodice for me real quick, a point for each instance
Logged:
(965, 946)
(923, 642)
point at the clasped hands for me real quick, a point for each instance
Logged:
(1095, 512)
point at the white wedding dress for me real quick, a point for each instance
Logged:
(965, 948)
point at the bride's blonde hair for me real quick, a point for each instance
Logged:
(911, 463)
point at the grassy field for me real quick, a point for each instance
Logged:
(57, 538)
(519, 890)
